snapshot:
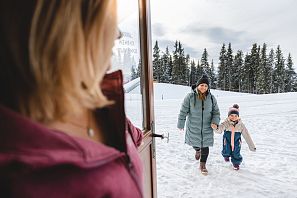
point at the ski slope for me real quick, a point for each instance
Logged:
(268, 172)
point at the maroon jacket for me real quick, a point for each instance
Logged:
(38, 162)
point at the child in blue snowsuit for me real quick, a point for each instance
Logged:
(233, 128)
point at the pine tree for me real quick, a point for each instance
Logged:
(166, 67)
(163, 65)
(257, 66)
(187, 70)
(204, 63)
(245, 73)
(261, 72)
(156, 63)
(184, 77)
(175, 64)
(290, 75)
(229, 67)
(133, 73)
(179, 70)
(139, 70)
(133, 62)
(237, 71)
(279, 75)
(294, 85)
(199, 71)
(170, 68)
(213, 80)
(269, 72)
(222, 69)
(254, 65)
(192, 73)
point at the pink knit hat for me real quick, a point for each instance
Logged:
(234, 110)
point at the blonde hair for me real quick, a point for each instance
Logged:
(69, 49)
(201, 96)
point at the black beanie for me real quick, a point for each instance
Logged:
(203, 79)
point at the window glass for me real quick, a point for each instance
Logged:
(126, 57)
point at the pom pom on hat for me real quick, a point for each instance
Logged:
(234, 110)
(203, 79)
(236, 106)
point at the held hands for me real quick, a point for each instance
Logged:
(181, 130)
(253, 149)
(214, 126)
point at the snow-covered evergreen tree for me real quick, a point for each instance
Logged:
(193, 72)
(290, 75)
(156, 63)
(279, 75)
(204, 63)
(170, 68)
(254, 65)
(166, 67)
(212, 77)
(133, 73)
(261, 72)
(229, 68)
(179, 70)
(175, 64)
(237, 73)
(184, 67)
(245, 73)
(139, 69)
(222, 69)
(199, 71)
(269, 72)
(187, 70)
(294, 85)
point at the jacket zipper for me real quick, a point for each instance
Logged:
(202, 125)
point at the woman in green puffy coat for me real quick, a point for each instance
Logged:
(201, 113)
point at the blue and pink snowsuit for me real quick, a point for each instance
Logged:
(232, 139)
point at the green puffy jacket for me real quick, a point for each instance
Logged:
(199, 115)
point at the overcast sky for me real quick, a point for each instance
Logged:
(200, 24)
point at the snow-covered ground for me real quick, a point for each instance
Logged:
(268, 172)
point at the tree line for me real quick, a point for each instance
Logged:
(257, 71)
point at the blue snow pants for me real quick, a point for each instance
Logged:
(236, 158)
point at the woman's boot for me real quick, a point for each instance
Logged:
(203, 168)
(197, 155)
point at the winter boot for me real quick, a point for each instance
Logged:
(203, 169)
(226, 159)
(236, 166)
(197, 155)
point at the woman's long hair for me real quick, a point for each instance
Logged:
(54, 54)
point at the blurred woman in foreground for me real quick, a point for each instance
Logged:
(63, 129)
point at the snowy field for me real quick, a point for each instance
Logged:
(268, 172)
